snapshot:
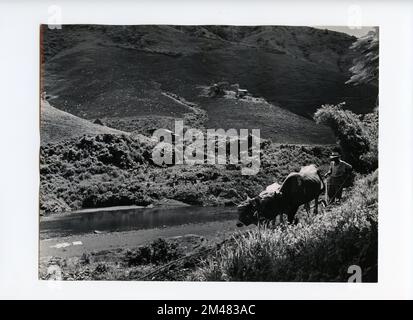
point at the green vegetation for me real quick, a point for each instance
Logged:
(78, 173)
(113, 170)
(365, 67)
(125, 264)
(321, 250)
(371, 123)
(157, 252)
(357, 137)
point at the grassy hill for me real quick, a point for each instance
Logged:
(122, 72)
(275, 123)
(57, 125)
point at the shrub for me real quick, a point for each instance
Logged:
(159, 251)
(162, 251)
(355, 139)
(371, 122)
(141, 255)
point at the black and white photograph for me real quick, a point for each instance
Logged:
(205, 159)
(208, 153)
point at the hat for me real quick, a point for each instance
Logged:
(334, 155)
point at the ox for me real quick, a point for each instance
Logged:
(297, 189)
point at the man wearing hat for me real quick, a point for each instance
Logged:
(339, 173)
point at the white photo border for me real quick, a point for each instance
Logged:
(19, 140)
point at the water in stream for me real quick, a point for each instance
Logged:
(130, 219)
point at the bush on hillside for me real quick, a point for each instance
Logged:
(371, 122)
(158, 252)
(357, 140)
(322, 250)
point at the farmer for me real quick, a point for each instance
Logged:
(339, 174)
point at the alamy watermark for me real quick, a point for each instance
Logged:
(356, 273)
(213, 146)
(54, 20)
(355, 17)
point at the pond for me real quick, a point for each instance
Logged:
(109, 220)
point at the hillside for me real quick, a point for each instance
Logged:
(120, 72)
(57, 125)
(112, 170)
(320, 248)
(275, 123)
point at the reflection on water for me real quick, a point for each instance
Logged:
(132, 219)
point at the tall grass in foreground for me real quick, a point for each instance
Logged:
(321, 250)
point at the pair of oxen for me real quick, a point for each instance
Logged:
(299, 188)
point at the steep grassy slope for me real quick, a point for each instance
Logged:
(322, 250)
(117, 72)
(57, 125)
